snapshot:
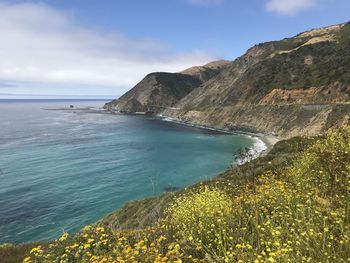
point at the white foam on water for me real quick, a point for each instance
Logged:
(254, 152)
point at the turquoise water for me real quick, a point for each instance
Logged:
(61, 170)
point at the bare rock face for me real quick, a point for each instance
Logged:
(298, 85)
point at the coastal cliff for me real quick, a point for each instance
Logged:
(295, 86)
(290, 205)
(160, 90)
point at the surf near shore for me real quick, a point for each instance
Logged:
(262, 145)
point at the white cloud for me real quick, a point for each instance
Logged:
(204, 2)
(289, 7)
(42, 44)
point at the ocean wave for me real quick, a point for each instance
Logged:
(252, 152)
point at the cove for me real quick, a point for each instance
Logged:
(61, 170)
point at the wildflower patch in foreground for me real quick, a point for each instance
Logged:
(300, 213)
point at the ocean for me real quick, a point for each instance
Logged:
(63, 169)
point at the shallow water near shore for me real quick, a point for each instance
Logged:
(61, 170)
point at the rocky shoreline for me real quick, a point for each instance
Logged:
(264, 142)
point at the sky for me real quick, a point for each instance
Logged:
(102, 48)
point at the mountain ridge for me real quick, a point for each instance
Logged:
(159, 90)
(295, 86)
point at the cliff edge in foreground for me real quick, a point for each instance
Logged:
(289, 206)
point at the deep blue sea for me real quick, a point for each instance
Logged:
(63, 169)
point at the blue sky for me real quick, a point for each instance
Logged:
(103, 48)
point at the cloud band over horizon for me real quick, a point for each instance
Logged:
(46, 45)
(73, 47)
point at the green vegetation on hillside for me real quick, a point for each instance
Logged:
(330, 63)
(294, 208)
(288, 70)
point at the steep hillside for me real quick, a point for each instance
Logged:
(289, 206)
(298, 85)
(160, 90)
(207, 71)
(294, 86)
